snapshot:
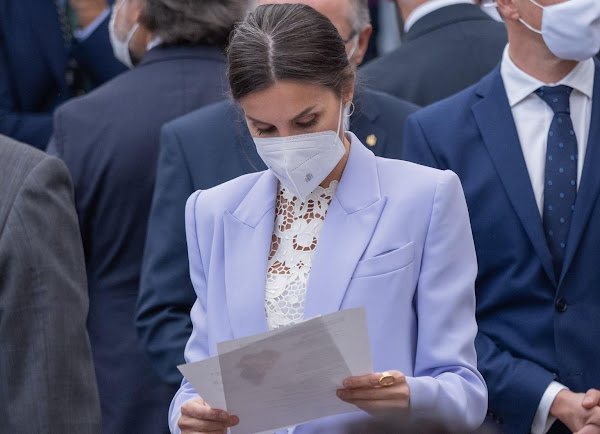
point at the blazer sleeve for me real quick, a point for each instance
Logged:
(49, 378)
(95, 56)
(166, 293)
(446, 382)
(507, 376)
(197, 346)
(31, 128)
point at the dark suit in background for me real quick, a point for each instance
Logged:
(109, 139)
(33, 67)
(199, 151)
(48, 384)
(443, 53)
(533, 327)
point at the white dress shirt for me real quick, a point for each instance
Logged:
(532, 118)
(427, 8)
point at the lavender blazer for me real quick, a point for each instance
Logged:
(396, 240)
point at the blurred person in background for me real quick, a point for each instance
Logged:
(213, 145)
(50, 51)
(46, 369)
(109, 140)
(372, 49)
(447, 45)
(525, 142)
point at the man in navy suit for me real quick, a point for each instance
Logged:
(109, 140)
(44, 61)
(525, 142)
(211, 146)
(447, 46)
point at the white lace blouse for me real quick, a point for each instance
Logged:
(295, 236)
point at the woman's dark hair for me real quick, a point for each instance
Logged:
(193, 22)
(287, 42)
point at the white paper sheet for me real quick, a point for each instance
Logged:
(287, 376)
(205, 378)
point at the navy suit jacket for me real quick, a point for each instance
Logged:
(534, 327)
(109, 140)
(443, 53)
(201, 150)
(33, 63)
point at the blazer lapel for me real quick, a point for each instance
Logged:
(496, 124)
(363, 125)
(248, 233)
(348, 228)
(589, 188)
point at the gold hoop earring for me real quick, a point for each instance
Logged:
(351, 112)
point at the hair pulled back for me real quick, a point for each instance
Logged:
(287, 42)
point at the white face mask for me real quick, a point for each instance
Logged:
(571, 29)
(302, 162)
(120, 48)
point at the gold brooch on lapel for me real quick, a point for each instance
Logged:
(372, 140)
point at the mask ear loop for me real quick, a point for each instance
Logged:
(128, 41)
(118, 6)
(354, 47)
(529, 26)
(340, 118)
(493, 4)
(341, 113)
(134, 29)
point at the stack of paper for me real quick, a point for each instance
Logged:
(287, 376)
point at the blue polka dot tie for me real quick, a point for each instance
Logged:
(560, 190)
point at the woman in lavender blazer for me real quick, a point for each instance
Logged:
(329, 227)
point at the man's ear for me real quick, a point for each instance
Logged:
(363, 44)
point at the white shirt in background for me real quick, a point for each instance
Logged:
(533, 116)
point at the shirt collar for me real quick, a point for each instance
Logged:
(519, 85)
(427, 8)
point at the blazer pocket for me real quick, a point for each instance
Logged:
(386, 263)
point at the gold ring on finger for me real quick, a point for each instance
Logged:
(386, 379)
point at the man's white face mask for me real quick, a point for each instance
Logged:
(120, 48)
(571, 29)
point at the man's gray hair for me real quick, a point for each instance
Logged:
(193, 22)
(361, 16)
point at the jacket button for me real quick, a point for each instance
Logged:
(561, 305)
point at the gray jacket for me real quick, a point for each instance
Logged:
(47, 380)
